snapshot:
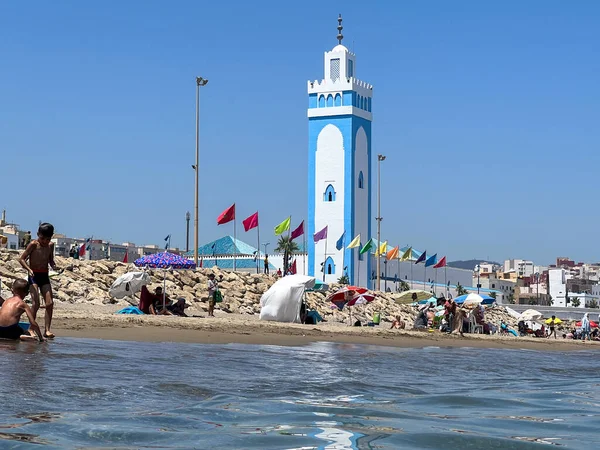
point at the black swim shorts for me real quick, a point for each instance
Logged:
(12, 332)
(39, 278)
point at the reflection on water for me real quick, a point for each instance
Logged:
(77, 393)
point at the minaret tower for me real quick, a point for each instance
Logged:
(339, 166)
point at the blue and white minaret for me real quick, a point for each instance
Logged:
(339, 166)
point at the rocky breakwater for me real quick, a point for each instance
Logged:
(88, 282)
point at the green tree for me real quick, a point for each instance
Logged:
(511, 299)
(494, 295)
(344, 279)
(460, 290)
(403, 286)
(593, 303)
(575, 302)
(288, 247)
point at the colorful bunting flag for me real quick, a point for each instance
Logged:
(382, 249)
(320, 235)
(367, 246)
(299, 231)
(126, 258)
(431, 261)
(407, 255)
(393, 253)
(250, 222)
(341, 241)
(355, 242)
(293, 268)
(226, 216)
(283, 226)
(422, 258)
(441, 264)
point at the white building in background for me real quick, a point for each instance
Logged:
(339, 167)
(557, 286)
(522, 267)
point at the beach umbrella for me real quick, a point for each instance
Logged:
(361, 299)
(470, 300)
(592, 324)
(345, 294)
(320, 286)
(412, 295)
(164, 260)
(530, 314)
(129, 284)
(431, 299)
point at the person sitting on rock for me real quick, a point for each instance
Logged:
(158, 301)
(178, 308)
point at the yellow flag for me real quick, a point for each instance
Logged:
(393, 253)
(407, 255)
(355, 242)
(382, 249)
(283, 226)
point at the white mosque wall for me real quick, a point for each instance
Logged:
(329, 170)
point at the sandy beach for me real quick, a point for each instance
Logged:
(100, 322)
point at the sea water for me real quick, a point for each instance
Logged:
(84, 393)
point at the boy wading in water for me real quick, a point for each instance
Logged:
(11, 312)
(36, 258)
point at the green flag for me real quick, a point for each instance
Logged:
(367, 246)
(283, 226)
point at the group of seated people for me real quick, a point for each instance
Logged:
(576, 334)
(159, 303)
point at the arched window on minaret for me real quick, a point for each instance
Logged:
(329, 266)
(330, 100)
(369, 105)
(321, 101)
(337, 101)
(361, 182)
(329, 195)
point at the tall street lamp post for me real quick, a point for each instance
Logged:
(199, 82)
(478, 269)
(379, 219)
(187, 231)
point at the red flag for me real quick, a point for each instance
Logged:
(200, 263)
(82, 250)
(297, 232)
(126, 258)
(440, 264)
(227, 216)
(251, 222)
(293, 268)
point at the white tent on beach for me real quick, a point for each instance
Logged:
(281, 303)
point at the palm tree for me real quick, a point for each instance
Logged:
(403, 286)
(460, 290)
(288, 247)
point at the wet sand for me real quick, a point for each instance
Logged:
(243, 329)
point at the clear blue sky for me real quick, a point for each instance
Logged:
(487, 111)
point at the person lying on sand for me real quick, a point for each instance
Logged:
(11, 312)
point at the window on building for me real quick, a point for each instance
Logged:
(337, 101)
(493, 286)
(329, 195)
(369, 104)
(321, 101)
(360, 180)
(330, 100)
(350, 68)
(329, 266)
(334, 69)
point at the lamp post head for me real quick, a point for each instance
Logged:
(381, 157)
(187, 215)
(201, 81)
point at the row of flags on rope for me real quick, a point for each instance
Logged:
(408, 254)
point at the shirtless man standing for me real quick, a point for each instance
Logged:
(40, 254)
(11, 312)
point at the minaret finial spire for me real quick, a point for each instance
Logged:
(340, 36)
